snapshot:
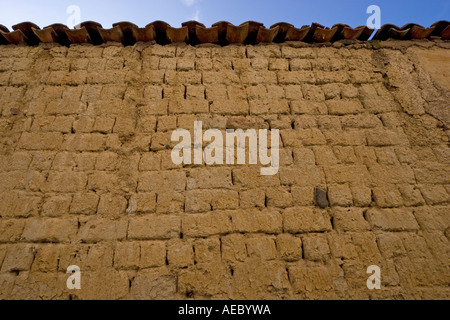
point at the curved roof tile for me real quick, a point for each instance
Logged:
(222, 32)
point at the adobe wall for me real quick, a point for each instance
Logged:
(87, 177)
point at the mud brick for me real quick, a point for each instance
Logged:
(154, 227)
(304, 220)
(205, 225)
(253, 221)
(392, 220)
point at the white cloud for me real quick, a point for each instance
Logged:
(188, 3)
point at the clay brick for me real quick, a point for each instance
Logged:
(67, 181)
(258, 107)
(46, 259)
(153, 227)
(259, 63)
(259, 77)
(230, 107)
(50, 230)
(207, 250)
(393, 174)
(11, 230)
(362, 195)
(84, 142)
(150, 162)
(361, 121)
(220, 78)
(65, 161)
(233, 248)
(152, 254)
(41, 141)
(345, 154)
(262, 247)
(106, 161)
(19, 204)
(304, 220)
(266, 221)
(84, 203)
(355, 174)
(205, 225)
(224, 200)
(170, 202)
(343, 107)
(100, 256)
(15, 161)
(278, 197)
(295, 77)
(432, 218)
(97, 285)
(432, 174)
(305, 279)
(304, 157)
(126, 255)
(302, 53)
(300, 64)
(190, 106)
(293, 92)
(340, 195)
(197, 280)
(391, 245)
(250, 177)
(302, 137)
(349, 220)
(269, 51)
(435, 195)
(278, 65)
(95, 229)
(289, 247)
(56, 206)
(208, 178)
(387, 196)
(154, 284)
(303, 196)
(160, 182)
(341, 246)
(324, 156)
(335, 76)
(111, 205)
(347, 137)
(315, 247)
(18, 258)
(392, 220)
(302, 177)
(180, 254)
(198, 201)
(142, 203)
(386, 138)
(252, 198)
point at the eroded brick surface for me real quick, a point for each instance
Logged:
(87, 178)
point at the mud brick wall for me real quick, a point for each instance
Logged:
(86, 176)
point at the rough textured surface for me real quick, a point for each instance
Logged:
(87, 179)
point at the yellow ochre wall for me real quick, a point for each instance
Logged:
(86, 176)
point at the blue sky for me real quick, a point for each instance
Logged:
(297, 12)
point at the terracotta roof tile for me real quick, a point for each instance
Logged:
(223, 33)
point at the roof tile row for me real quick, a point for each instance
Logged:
(223, 33)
